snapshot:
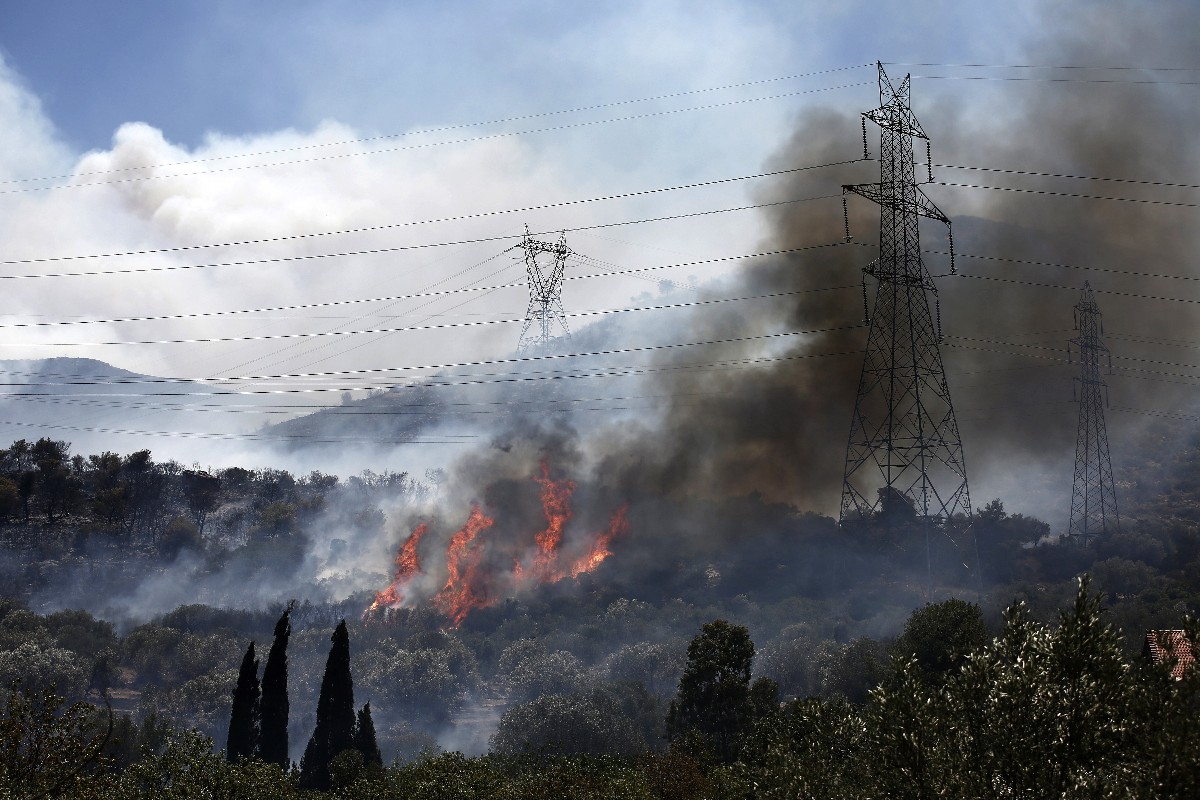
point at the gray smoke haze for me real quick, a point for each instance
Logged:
(780, 427)
(768, 412)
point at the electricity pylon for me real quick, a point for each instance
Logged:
(905, 453)
(1093, 497)
(544, 266)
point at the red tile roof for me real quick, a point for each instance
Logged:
(1161, 645)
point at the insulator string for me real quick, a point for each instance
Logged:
(846, 217)
(950, 239)
(866, 307)
(866, 152)
(929, 159)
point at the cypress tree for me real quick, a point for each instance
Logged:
(335, 715)
(273, 733)
(243, 719)
(364, 738)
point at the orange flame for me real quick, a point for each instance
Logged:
(464, 590)
(408, 564)
(556, 505)
(617, 526)
(472, 584)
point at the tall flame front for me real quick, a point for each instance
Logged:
(463, 590)
(556, 505)
(470, 583)
(408, 564)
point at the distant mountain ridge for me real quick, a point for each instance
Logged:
(97, 406)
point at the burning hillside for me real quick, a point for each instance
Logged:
(480, 568)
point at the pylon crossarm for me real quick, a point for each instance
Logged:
(904, 123)
(917, 204)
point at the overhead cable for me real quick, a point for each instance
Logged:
(426, 145)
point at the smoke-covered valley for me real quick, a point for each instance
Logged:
(500, 525)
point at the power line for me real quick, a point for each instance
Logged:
(1039, 285)
(1059, 265)
(1164, 184)
(1044, 66)
(1027, 346)
(487, 137)
(444, 128)
(376, 440)
(462, 440)
(455, 218)
(1149, 413)
(1070, 194)
(578, 109)
(402, 248)
(472, 323)
(409, 409)
(623, 195)
(1059, 358)
(113, 401)
(426, 246)
(415, 295)
(490, 378)
(1190, 344)
(523, 377)
(429, 287)
(447, 439)
(1052, 80)
(526, 359)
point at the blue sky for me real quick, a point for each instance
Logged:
(190, 67)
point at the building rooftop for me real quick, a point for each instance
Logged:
(1162, 645)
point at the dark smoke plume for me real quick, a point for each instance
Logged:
(769, 413)
(780, 427)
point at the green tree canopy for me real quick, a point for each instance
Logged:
(713, 701)
(940, 635)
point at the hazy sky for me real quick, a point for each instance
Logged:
(216, 157)
(112, 94)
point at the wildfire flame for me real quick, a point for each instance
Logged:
(471, 583)
(463, 590)
(556, 505)
(408, 564)
(617, 526)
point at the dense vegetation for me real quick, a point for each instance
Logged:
(1039, 711)
(611, 684)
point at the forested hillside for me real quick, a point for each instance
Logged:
(571, 684)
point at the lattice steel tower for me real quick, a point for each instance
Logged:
(1093, 497)
(905, 448)
(544, 266)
